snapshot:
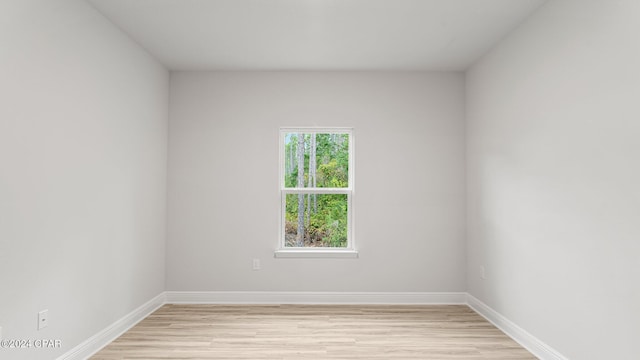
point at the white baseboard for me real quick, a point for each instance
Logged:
(285, 297)
(93, 344)
(521, 336)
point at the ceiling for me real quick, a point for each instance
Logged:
(436, 35)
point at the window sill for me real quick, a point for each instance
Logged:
(316, 253)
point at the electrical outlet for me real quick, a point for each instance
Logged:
(483, 274)
(43, 319)
(256, 264)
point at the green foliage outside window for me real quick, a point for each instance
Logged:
(323, 217)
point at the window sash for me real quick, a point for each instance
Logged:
(327, 190)
(283, 204)
(314, 130)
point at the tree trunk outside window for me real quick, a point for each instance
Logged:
(300, 234)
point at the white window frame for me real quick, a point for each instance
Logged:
(317, 252)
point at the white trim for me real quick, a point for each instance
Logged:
(521, 336)
(95, 343)
(296, 297)
(321, 253)
(281, 215)
(317, 129)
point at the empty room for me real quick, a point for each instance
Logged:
(319, 179)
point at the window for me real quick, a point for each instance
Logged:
(316, 189)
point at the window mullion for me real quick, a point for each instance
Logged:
(317, 191)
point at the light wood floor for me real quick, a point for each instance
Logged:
(289, 332)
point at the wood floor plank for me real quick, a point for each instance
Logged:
(333, 332)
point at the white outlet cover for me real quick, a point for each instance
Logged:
(43, 319)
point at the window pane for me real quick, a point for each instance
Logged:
(322, 221)
(316, 160)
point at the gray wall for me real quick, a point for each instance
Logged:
(553, 172)
(223, 196)
(83, 127)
